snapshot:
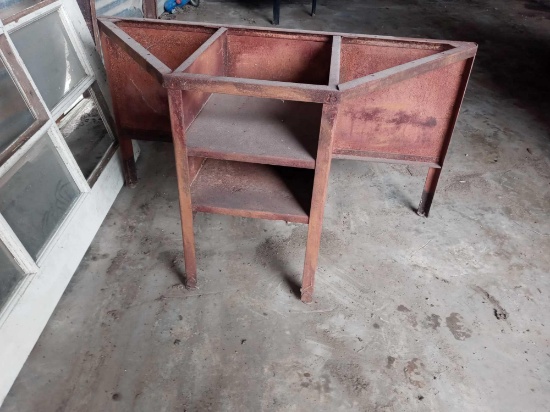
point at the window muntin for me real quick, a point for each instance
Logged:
(10, 7)
(50, 57)
(36, 195)
(15, 116)
(10, 275)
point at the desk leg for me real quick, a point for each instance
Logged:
(429, 192)
(276, 11)
(184, 186)
(128, 161)
(318, 200)
(433, 174)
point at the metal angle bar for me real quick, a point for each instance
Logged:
(312, 35)
(398, 42)
(135, 50)
(385, 157)
(456, 108)
(9, 161)
(252, 87)
(191, 59)
(388, 77)
(334, 76)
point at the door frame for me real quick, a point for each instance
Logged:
(27, 311)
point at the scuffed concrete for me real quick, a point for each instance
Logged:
(410, 314)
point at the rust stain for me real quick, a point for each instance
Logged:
(413, 372)
(389, 117)
(366, 115)
(455, 323)
(402, 117)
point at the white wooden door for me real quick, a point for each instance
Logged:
(59, 167)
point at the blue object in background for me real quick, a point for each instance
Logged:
(170, 5)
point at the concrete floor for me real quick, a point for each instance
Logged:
(411, 314)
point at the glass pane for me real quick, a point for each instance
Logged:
(86, 135)
(50, 57)
(10, 275)
(15, 116)
(10, 7)
(36, 194)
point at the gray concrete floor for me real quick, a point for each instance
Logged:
(410, 314)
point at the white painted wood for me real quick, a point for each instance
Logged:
(23, 318)
(35, 304)
(112, 146)
(49, 246)
(19, 88)
(6, 167)
(16, 248)
(87, 42)
(29, 18)
(14, 298)
(77, 43)
(69, 99)
(68, 159)
(103, 115)
(83, 43)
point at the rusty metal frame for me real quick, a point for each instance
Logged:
(419, 69)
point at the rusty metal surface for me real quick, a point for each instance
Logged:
(277, 132)
(143, 101)
(145, 113)
(284, 60)
(210, 61)
(253, 190)
(381, 100)
(358, 60)
(269, 89)
(405, 121)
(170, 47)
(390, 41)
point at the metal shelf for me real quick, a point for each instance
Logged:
(253, 190)
(249, 129)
